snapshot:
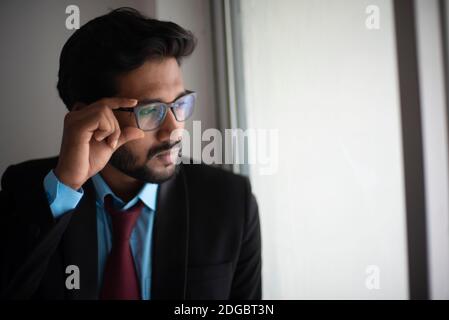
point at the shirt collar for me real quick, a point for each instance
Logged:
(147, 194)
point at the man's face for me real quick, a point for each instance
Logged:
(150, 159)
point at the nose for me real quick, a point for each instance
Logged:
(168, 126)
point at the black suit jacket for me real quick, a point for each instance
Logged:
(206, 237)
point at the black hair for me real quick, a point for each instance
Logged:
(113, 44)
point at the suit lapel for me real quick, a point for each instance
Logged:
(170, 239)
(80, 246)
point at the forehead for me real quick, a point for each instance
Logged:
(161, 79)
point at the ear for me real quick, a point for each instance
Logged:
(78, 106)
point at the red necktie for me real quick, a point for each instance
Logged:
(120, 280)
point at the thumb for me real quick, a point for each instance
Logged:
(128, 134)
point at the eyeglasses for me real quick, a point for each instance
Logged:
(150, 116)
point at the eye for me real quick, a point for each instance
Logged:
(178, 104)
(146, 112)
(182, 101)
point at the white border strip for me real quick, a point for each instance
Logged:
(435, 144)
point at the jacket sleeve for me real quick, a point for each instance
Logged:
(26, 245)
(247, 282)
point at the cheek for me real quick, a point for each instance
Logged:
(136, 146)
(140, 147)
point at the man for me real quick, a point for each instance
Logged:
(114, 216)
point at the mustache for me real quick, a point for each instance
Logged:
(165, 146)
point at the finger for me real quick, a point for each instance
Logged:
(128, 134)
(104, 129)
(100, 135)
(115, 103)
(109, 115)
(110, 124)
(102, 105)
(113, 138)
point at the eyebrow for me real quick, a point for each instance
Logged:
(159, 100)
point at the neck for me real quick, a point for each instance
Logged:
(124, 186)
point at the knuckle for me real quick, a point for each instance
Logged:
(69, 120)
(103, 101)
(101, 113)
(104, 108)
(67, 117)
(109, 113)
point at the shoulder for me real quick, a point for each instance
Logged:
(29, 172)
(23, 192)
(215, 192)
(206, 177)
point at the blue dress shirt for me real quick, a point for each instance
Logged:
(62, 199)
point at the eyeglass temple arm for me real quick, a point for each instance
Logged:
(125, 109)
(169, 104)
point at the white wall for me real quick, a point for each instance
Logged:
(336, 206)
(32, 35)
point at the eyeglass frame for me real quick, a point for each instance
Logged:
(167, 106)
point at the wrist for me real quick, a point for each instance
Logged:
(65, 180)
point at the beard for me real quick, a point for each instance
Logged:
(126, 162)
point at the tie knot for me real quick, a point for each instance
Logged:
(123, 221)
